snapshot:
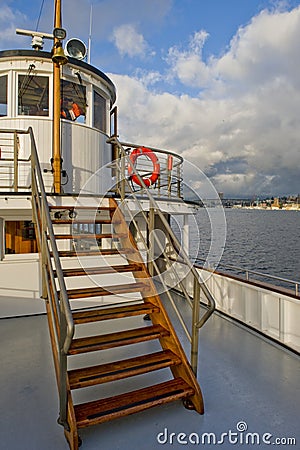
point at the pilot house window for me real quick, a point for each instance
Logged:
(33, 95)
(73, 101)
(99, 112)
(3, 95)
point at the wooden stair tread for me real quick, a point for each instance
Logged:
(100, 411)
(134, 267)
(107, 290)
(95, 315)
(92, 207)
(111, 340)
(88, 236)
(104, 373)
(82, 220)
(103, 251)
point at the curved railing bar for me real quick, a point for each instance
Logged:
(156, 150)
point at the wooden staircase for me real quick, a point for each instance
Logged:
(110, 292)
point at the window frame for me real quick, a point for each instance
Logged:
(103, 96)
(21, 235)
(7, 85)
(45, 76)
(83, 103)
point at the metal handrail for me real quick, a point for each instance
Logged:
(62, 319)
(169, 179)
(152, 264)
(199, 283)
(154, 149)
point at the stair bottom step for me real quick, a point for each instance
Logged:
(101, 411)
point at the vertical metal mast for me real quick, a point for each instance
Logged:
(56, 151)
(90, 36)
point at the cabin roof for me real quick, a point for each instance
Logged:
(75, 62)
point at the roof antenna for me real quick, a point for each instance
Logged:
(90, 36)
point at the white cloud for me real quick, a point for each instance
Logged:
(129, 42)
(187, 65)
(243, 130)
(263, 50)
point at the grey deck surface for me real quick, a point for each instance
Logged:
(243, 378)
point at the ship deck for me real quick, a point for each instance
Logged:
(247, 382)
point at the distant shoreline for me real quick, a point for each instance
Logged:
(262, 208)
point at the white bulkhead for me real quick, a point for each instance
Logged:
(87, 95)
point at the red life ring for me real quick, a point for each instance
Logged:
(156, 167)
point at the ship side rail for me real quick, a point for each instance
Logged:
(266, 308)
(125, 191)
(11, 164)
(254, 275)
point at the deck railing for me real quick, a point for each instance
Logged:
(253, 275)
(10, 162)
(125, 190)
(169, 177)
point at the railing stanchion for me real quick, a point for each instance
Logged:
(16, 155)
(151, 241)
(44, 262)
(63, 400)
(195, 330)
(122, 178)
(178, 182)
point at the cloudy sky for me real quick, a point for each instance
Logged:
(215, 81)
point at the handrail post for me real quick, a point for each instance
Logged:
(43, 249)
(169, 174)
(151, 226)
(195, 330)
(114, 116)
(40, 225)
(122, 178)
(63, 400)
(178, 182)
(16, 156)
(159, 184)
